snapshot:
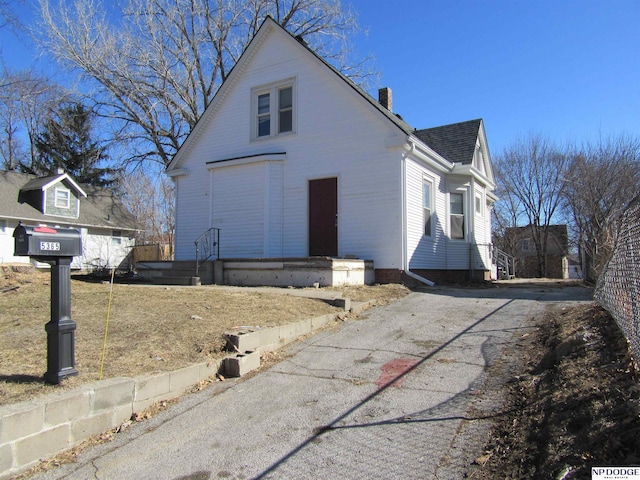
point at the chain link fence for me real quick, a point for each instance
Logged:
(618, 286)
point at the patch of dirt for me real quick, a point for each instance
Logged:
(572, 402)
(143, 329)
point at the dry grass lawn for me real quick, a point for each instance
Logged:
(150, 329)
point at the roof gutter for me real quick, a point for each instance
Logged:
(64, 221)
(429, 156)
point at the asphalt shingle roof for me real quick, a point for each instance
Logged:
(101, 208)
(455, 142)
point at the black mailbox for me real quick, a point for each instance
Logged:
(46, 241)
(57, 247)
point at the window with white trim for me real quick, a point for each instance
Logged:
(456, 216)
(427, 207)
(273, 110)
(264, 115)
(3, 226)
(285, 109)
(116, 237)
(62, 198)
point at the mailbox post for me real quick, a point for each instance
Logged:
(57, 247)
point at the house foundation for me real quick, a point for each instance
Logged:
(274, 272)
(447, 277)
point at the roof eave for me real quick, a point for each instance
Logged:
(267, 26)
(470, 170)
(60, 178)
(428, 155)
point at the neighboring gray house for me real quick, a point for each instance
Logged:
(292, 160)
(107, 228)
(526, 255)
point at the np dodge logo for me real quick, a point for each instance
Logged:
(615, 473)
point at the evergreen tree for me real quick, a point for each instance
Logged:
(66, 142)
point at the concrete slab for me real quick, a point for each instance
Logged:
(324, 413)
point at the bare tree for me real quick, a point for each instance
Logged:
(7, 16)
(150, 198)
(531, 178)
(25, 100)
(602, 179)
(158, 63)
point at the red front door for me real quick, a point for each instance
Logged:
(323, 217)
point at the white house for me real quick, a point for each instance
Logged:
(291, 160)
(107, 229)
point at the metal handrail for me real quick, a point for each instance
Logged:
(508, 262)
(207, 245)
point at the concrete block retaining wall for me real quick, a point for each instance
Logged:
(31, 431)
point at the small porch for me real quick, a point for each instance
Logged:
(275, 272)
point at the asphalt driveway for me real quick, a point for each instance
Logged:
(393, 394)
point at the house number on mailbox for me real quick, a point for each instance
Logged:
(50, 246)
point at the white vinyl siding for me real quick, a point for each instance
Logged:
(481, 230)
(274, 215)
(424, 252)
(103, 249)
(262, 207)
(239, 214)
(336, 135)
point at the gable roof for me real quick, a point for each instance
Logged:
(455, 142)
(269, 25)
(40, 183)
(100, 209)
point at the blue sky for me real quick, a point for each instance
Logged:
(566, 69)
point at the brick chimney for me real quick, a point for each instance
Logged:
(384, 98)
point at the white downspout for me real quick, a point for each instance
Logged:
(405, 254)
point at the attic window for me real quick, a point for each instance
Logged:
(62, 198)
(285, 110)
(273, 110)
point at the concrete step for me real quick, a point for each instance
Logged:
(172, 280)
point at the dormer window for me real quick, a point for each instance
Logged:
(62, 198)
(273, 109)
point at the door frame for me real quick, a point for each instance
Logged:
(334, 185)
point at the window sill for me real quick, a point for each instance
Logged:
(273, 137)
